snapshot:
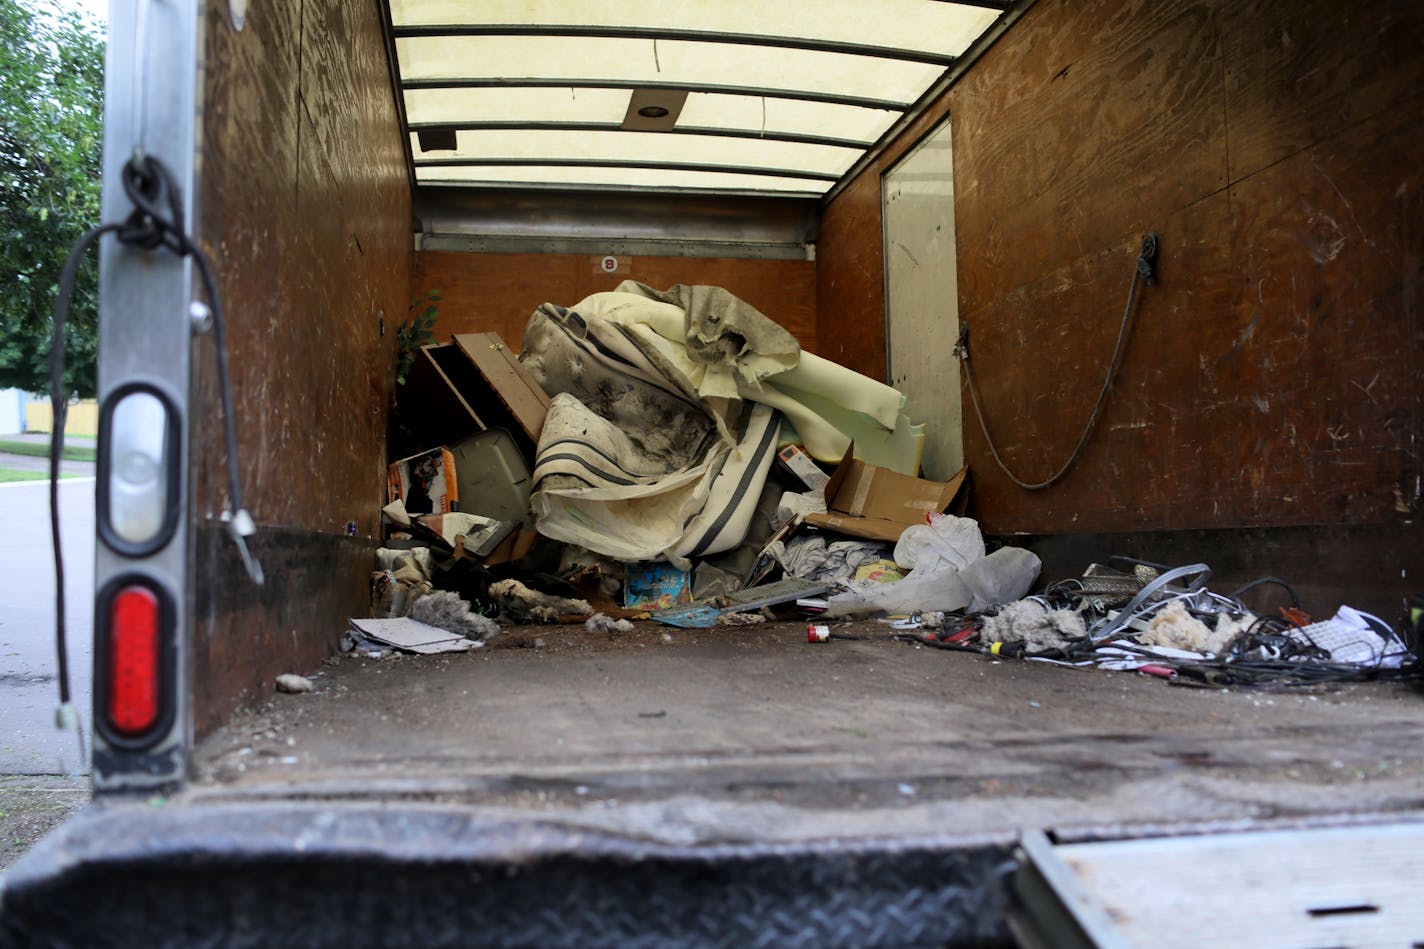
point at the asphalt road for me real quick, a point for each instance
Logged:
(29, 742)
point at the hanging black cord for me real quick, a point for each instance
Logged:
(156, 222)
(59, 406)
(1144, 270)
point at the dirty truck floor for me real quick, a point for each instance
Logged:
(751, 733)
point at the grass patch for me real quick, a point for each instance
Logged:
(69, 453)
(11, 474)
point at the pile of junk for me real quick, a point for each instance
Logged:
(677, 456)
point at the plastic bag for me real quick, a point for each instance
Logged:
(947, 541)
(921, 590)
(1002, 577)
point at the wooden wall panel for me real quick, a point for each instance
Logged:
(1038, 382)
(498, 292)
(1112, 116)
(305, 207)
(1300, 73)
(850, 278)
(1273, 376)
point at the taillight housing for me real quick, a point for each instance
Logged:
(134, 665)
(138, 494)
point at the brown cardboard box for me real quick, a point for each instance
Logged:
(876, 503)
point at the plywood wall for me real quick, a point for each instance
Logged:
(498, 292)
(305, 209)
(1275, 374)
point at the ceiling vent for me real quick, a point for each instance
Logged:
(654, 110)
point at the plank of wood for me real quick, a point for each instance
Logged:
(526, 401)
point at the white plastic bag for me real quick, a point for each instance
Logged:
(1002, 577)
(922, 590)
(947, 541)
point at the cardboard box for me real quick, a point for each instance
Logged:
(878, 504)
(656, 586)
(424, 483)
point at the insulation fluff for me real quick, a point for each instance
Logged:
(519, 604)
(601, 623)
(293, 683)
(445, 610)
(1174, 627)
(1031, 624)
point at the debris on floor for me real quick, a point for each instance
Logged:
(599, 623)
(292, 683)
(375, 638)
(703, 614)
(444, 610)
(1167, 623)
(524, 605)
(675, 455)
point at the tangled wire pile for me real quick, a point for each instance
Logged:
(1162, 621)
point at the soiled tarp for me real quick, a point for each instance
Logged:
(729, 351)
(664, 420)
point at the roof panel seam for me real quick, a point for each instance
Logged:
(620, 163)
(663, 33)
(729, 132)
(800, 95)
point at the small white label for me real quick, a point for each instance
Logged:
(609, 264)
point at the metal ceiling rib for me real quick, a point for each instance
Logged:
(686, 36)
(494, 162)
(516, 126)
(775, 99)
(711, 88)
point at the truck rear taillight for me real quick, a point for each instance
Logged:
(135, 660)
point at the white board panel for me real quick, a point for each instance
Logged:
(922, 297)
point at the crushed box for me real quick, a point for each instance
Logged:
(864, 500)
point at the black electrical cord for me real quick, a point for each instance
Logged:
(156, 222)
(59, 406)
(1290, 590)
(1144, 270)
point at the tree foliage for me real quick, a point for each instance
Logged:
(51, 108)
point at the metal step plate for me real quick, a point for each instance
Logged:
(1346, 886)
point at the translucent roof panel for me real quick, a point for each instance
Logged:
(762, 97)
(670, 147)
(924, 25)
(679, 63)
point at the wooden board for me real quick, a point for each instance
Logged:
(516, 390)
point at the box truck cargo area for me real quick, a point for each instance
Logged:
(944, 200)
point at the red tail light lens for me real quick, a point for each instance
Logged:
(134, 648)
